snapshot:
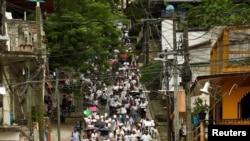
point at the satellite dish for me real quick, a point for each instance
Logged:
(170, 9)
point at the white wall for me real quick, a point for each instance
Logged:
(6, 101)
(194, 38)
(197, 55)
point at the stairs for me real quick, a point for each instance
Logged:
(159, 114)
(162, 130)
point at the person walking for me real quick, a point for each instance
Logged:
(84, 138)
(78, 126)
(146, 137)
(143, 107)
(75, 136)
(69, 99)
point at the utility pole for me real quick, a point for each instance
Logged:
(29, 111)
(3, 10)
(186, 78)
(58, 107)
(166, 77)
(175, 74)
(41, 74)
(146, 41)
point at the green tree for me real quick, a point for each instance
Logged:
(136, 11)
(81, 34)
(216, 13)
(151, 75)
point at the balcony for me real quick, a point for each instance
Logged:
(230, 52)
(21, 36)
(199, 133)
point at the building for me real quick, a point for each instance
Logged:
(21, 82)
(219, 56)
(228, 78)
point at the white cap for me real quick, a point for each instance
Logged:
(114, 116)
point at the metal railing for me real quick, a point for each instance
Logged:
(199, 132)
(233, 122)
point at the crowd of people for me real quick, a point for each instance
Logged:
(121, 114)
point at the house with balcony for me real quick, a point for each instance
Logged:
(228, 77)
(218, 57)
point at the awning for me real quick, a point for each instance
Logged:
(219, 80)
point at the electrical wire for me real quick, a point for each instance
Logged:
(151, 33)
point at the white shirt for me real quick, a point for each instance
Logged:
(138, 132)
(134, 137)
(127, 138)
(94, 136)
(146, 137)
(112, 101)
(115, 87)
(114, 124)
(123, 110)
(120, 131)
(143, 105)
(75, 136)
(127, 126)
(148, 123)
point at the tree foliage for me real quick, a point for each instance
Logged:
(216, 12)
(81, 34)
(151, 75)
(136, 11)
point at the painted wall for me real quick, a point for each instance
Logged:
(231, 99)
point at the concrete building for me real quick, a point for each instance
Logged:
(20, 82)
